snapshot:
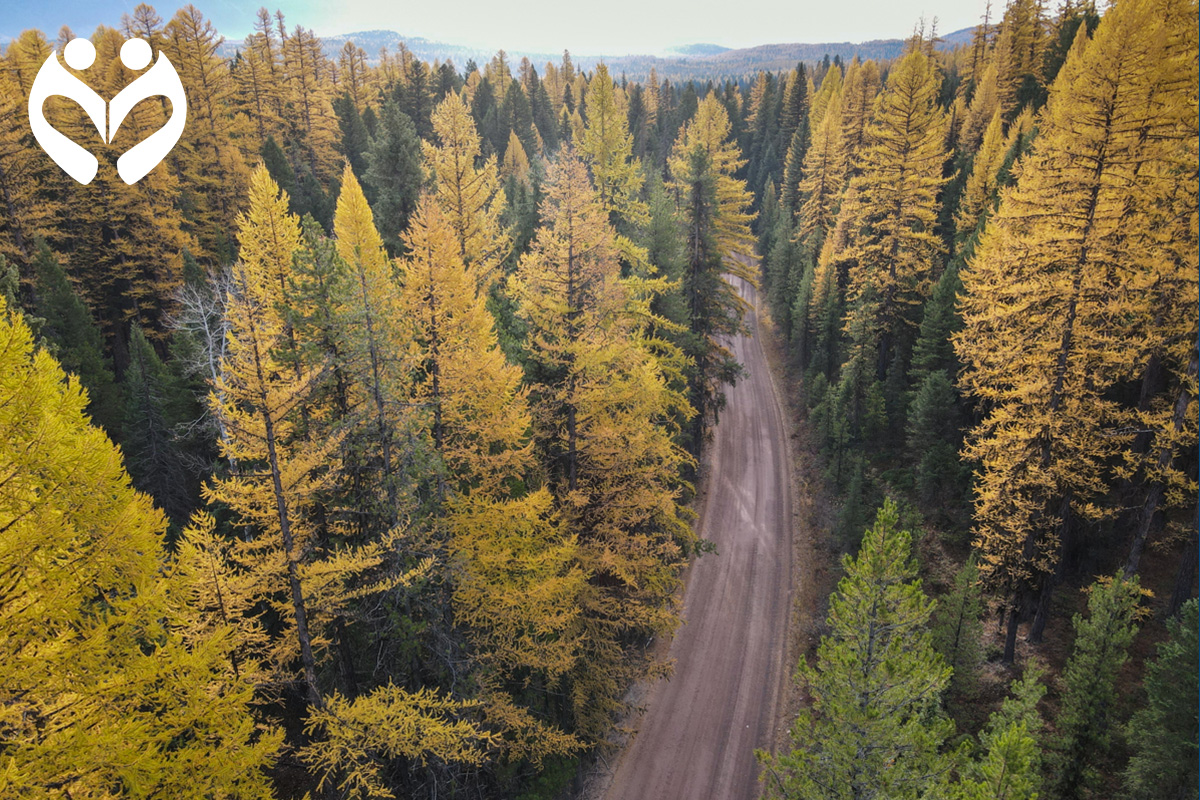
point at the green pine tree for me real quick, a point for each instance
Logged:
(355, 139)
(1163, 731)
(875, 729)
(74, 339)
(280, 169)
(1085, 720)
(155, 403)
(1010, 768)
(932, 440)
(394, 174)
(958, 628)
(940, 320)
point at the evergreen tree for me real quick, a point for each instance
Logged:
(714, 209)
(1162, 732)
(74, 339)
(280, 170)
(355, 140)
(958, 628)
(794, 116)
(394, 173)
(543, 112)
(875, 729)
(934, 349)
(154, 405)
(518, 114)
(1085, 721)
(932, 439)
(1010, 766)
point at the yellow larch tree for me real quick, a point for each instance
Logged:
(353, 75)
(126, 241)
(472, 198)
(516, 583)
(603, 417)
(980, 193)
(25, 56)
(831, 84)
(1168, 326)
(858, 94)
(517, 586)
(107, 688)
(29, 211)
(376, 338)
(258, 76)
(824, 174)
(280, 565)
(516, 162)
(1058, 299)
(258, 395)
(1018, 54)
(480, 421)
(312, 126)
(213, 152)
(892, 244)
(985, 104)
(607, 147)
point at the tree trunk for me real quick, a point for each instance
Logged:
(1050, 582)
(345, 658)
(1010, 636)
(1166, 455)
(299, 606)
(1185, 578)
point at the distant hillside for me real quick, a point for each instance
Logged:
(701, 61)
(698, 50)
(690, 62)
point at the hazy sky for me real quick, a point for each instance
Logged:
(599, 27)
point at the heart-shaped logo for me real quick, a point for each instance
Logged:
(54, 80)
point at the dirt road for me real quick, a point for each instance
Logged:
(697, 739)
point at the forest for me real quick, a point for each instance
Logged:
(354, 451)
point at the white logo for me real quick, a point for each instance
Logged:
(161, 79)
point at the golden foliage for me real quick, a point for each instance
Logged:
(1070, 279)
(109, 688)
(471, 198)
(480, 421)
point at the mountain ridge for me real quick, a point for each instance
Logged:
(699, 61)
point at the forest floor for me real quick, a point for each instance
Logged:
(701, 727)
